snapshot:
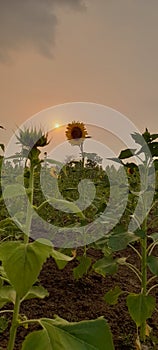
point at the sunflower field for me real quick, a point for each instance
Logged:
(78, 246)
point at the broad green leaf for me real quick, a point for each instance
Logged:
(66, 206)
(14, 191)
(119, 241)
(60, 258)
(105, 266)
(152, 262)
(111, 297)
(6, 249)
(127, 153)
(23, 262)
(83, 267)
(140, 307)
(59, 334)
(7, 294)
(36, 292)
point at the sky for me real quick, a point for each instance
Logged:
(58, 51)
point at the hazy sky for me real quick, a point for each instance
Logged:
(57, 51)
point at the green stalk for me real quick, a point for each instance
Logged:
(144, 275)
(14, 325)
(29, 206)
(82, 153)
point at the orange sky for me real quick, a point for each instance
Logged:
(104, 52)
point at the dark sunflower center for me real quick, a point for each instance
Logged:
(76, 133)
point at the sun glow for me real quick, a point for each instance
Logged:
(57, 125)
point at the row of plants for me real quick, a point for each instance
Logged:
(22, 259)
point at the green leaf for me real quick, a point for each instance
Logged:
(7, 294)
(140, 307)
(14, 191)
(138, 138)
(127, 153)
(66, 206)
(23, 262)
(60, 258)
(152, 263)
(153, 136)
(119, 241)
(36, 292)
(59, 334)
(83, 267)
(105, 266)
(140, 233)
(111, 297)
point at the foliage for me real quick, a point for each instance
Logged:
(22, 261)
(141, 305)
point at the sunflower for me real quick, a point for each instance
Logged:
(76, 133)
(130, 171)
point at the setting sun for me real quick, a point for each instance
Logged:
(56, 125)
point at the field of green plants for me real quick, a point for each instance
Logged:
(33, 187)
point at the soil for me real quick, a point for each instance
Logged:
(83, 299)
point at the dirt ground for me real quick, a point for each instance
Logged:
(83, 299)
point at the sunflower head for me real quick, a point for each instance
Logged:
(76, 133)
(32, 138)
(130, 171)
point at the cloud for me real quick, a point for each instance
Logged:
(31, 24)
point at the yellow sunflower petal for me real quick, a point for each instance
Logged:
(76, 133)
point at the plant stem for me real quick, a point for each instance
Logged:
(14, 325)
(82, 153)
(29, 321)
(29, 206)
(144, 274)
(85, 250)
(6, 311)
